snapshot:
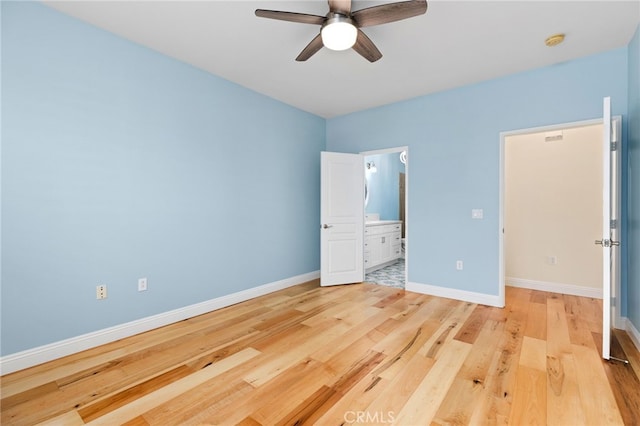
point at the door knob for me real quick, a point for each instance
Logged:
(325, 226)
(607, 243)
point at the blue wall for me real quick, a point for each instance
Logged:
(383, 186)
(120, 163)
(633, 276)
(453, 140)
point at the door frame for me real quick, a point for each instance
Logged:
(501, 254)
(398, 150)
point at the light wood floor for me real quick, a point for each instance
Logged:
(358, 354)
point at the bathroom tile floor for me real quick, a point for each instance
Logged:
(391, 276)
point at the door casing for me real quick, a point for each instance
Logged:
(398, 150)
(501, 254)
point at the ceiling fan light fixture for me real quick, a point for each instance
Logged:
(339, 33)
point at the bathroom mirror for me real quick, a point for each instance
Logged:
(366, 191)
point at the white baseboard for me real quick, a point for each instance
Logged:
(49, 352)
(552, 287)
(633, 332)
(452, 293)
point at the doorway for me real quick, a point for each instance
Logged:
(386, 224)
(551, 192)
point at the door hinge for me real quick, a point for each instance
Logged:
(615, 129)
(613, 224)
(614, 146)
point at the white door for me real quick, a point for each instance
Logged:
(610, 221)
(342, 218)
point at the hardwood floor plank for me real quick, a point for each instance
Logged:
(38, 376)
(402, 386)
(563, 397)
(533, 354)
(624, 383)
(274, 398)
(403, 330)
(472, 326)
(536, 325)
(477, 364)
(630, 351)
(529, 405)
(248, 421)
(424, 402)
(539, 297)
(365, 331)
(459, 403)
(293, 351)
(357, 370)
(70, 418)
(138, 421)
(195, 405)
(450, 325)
(105, 405)
(149, 401)
(496, 403)
(398, 361)
(354, 399)
(39, 391)
(598, 402)
(388, 300)
(296, 399)
(530, 397)
(61, 400)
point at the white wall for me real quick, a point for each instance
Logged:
(553, 205)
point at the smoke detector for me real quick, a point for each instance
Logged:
(554, 40)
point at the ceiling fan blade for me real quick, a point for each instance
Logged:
(365, 47)
(340, 6)
(311, 49)
(391, 12)
(302, 18)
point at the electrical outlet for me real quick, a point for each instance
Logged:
(459, 265)
(101, 292)
(142, 284)
(553, 260)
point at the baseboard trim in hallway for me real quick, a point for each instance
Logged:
(553, 287)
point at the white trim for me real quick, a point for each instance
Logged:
(619, 322)
(452, 293)
(49, 352)
(632, 331)
(397, 149)
(575, 290)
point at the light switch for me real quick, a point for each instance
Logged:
(477, 214)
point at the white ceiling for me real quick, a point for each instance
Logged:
(454, 44)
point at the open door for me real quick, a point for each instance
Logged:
(610, 222)
(342, 218)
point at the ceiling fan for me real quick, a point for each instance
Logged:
(340, 28)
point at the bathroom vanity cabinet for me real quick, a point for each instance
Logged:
(382, 243)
